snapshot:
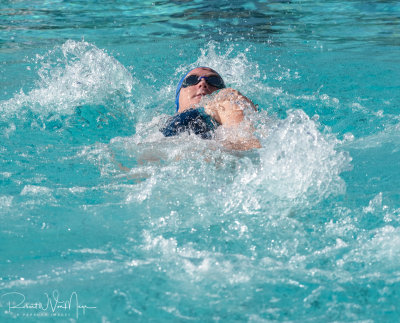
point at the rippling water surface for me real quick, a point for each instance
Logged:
(305, 229)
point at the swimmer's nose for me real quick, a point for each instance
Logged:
(202, 82)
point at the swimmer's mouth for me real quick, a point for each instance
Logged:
(200, 95)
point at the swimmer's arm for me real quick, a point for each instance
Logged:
(227, 108)
(120, 166)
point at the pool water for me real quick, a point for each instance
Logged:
(305, 229)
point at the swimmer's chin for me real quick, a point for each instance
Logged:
(204, 100)
(199, 101)
(198, 98)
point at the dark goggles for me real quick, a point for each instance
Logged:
(213, 80)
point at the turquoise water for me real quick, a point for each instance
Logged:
(305, 229)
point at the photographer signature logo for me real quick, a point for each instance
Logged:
(52, 306)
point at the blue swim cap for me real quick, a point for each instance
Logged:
(178, 88)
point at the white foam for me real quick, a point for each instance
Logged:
(298, 163)
(390, 135)
(6, 201)
(236, 69)
(197, 265)
(374, 204)
(35, 190)
(381, 252)
(5, 174)
(70, 75)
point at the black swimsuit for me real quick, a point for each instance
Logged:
(192, 121)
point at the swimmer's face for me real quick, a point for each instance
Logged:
(191, 95)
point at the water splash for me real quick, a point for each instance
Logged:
(70, 75)
(299, 160)
(236, 69)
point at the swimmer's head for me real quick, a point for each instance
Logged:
(194, 85)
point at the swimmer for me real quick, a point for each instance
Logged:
(223, 109)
